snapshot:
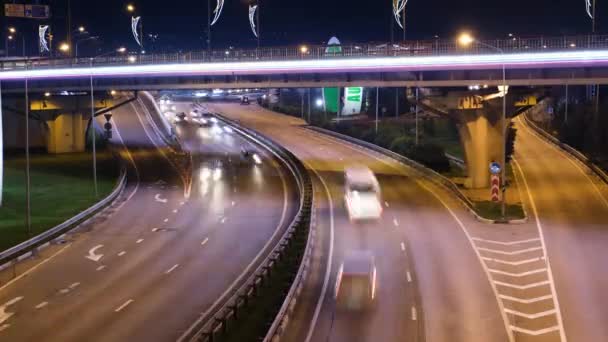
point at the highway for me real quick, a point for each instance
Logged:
(432, 283)
(571, 207)
(147, 267)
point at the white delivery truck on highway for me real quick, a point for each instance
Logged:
(362, 195)
(356, 282)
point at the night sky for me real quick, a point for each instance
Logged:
(181, 24)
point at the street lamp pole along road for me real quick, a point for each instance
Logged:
(466, 40)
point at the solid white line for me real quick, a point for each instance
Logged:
(531, 316)
(409, 276)
(139, 241)
(175, 211)
(522, 274)
(510, 243)
(403, 246)
(526, 301)
(204, 241)
(560, 323)
(124, 305)
(122, 253)
(513, 263)
(166, 220)
(34, 268)
(522, 287)
(41, 305)
(319, 304)
(536, 332)
(74, 285)
(519, 251)
(100, 268)
(172, 269)
(395, 223)
(414, 314)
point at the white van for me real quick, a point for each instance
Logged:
(362, 194)
(356, 282)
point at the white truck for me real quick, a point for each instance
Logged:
(362, 195)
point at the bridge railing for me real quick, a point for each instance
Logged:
(407, 48)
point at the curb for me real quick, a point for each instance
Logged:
(423, 170)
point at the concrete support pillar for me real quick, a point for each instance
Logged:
(482, 139)
(66, 134)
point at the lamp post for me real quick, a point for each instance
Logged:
(81, 41)
(119, 50)
(11, 36)
(466, 39)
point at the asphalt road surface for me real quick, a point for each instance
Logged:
(433, 283)
(147, 267)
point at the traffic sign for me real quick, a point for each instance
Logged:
(525, 101)
(495, 186)
(108, 116)
(470, 102)
(495, 168)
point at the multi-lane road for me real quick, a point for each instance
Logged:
(148, 266)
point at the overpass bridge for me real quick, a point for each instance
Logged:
(531, 61)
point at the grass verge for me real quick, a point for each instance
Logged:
(61, 187)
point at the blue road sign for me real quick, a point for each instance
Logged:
(495, 168)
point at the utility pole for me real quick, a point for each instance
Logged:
(69, 28)
(94, 134)
(209, 28)
(403, 18)
(377, 95)
(28, 210)
(257, 18)
(1, 148)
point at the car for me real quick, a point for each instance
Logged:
(356, 283)
(362, 195)
(245, 101)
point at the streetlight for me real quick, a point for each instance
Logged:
(82, 40)
(12, 30)
(466, 39)
(64, 47)
(303, 49)
(81, 29)
(130, 8)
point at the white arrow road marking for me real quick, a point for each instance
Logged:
(526, 301)
(93, 256)
(6, 315)
(535, 332)
(157, 198)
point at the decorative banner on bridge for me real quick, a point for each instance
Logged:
(217, 11)
(252, 10)
(589, 8)
(398, 6)
(353, 97)
(43, 44)
(134, 25)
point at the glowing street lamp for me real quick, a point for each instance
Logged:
(130, 8)
(64, 47)
(12, 30)
(303, 49)
(465, 39)
(121, 49)
(81, 29)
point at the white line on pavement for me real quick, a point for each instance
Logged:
(386, 204)
(4, 327)
(122, 253)
(172, 269)
(395, 222)
(510, 243)
(182, 203)
(74, 285)
(531, 316)
(414, 314)
(100, 268)
(519, 251)
(205, 241)
(139, 241)
(522, 274)
(409, 276)
(535, 332)
(166, 220)
(41, 305)
(154, 229)
(223, 220)
(522, 287)
(124, 305)
(403, 246)
(526, 301)
(233, 203)
(513, 263)
(175, 211)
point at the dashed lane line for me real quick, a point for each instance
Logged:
(41, 305)
(74, 285)
(139, 241)
(172, 269)
(205, 241)
(414, 314)
(403, 246)
(122, 253)
(395, 222)
(408, 276)
(100, 268)
(124, 305)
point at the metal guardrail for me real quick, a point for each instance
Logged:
(32, 244)
(217, 320)
(406, 48)
(569, 149)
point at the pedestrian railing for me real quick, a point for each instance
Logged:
(434, 47)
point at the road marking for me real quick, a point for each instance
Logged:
(166, 220)
(122, 253)
(513, 263)
(175, 211)
(522, 274)
(157, 198)
(510, 243)
(124, 305)
(4, 327)
(34, 268)
(139, 241)
(536, 332)
(386, 204)
(403, 246)
(41, 305)
(223, 220)
(93, 256)
(154, 229)
(64, 291)
(519, 251)
(522, 287)
(204, 241)
(100, 268)
(395, 222)
(182, 203)
(414, 314)
(74, 285)
(233, 203)
(526, 301)
(409, 276)
(172, 269)
(531, 316)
